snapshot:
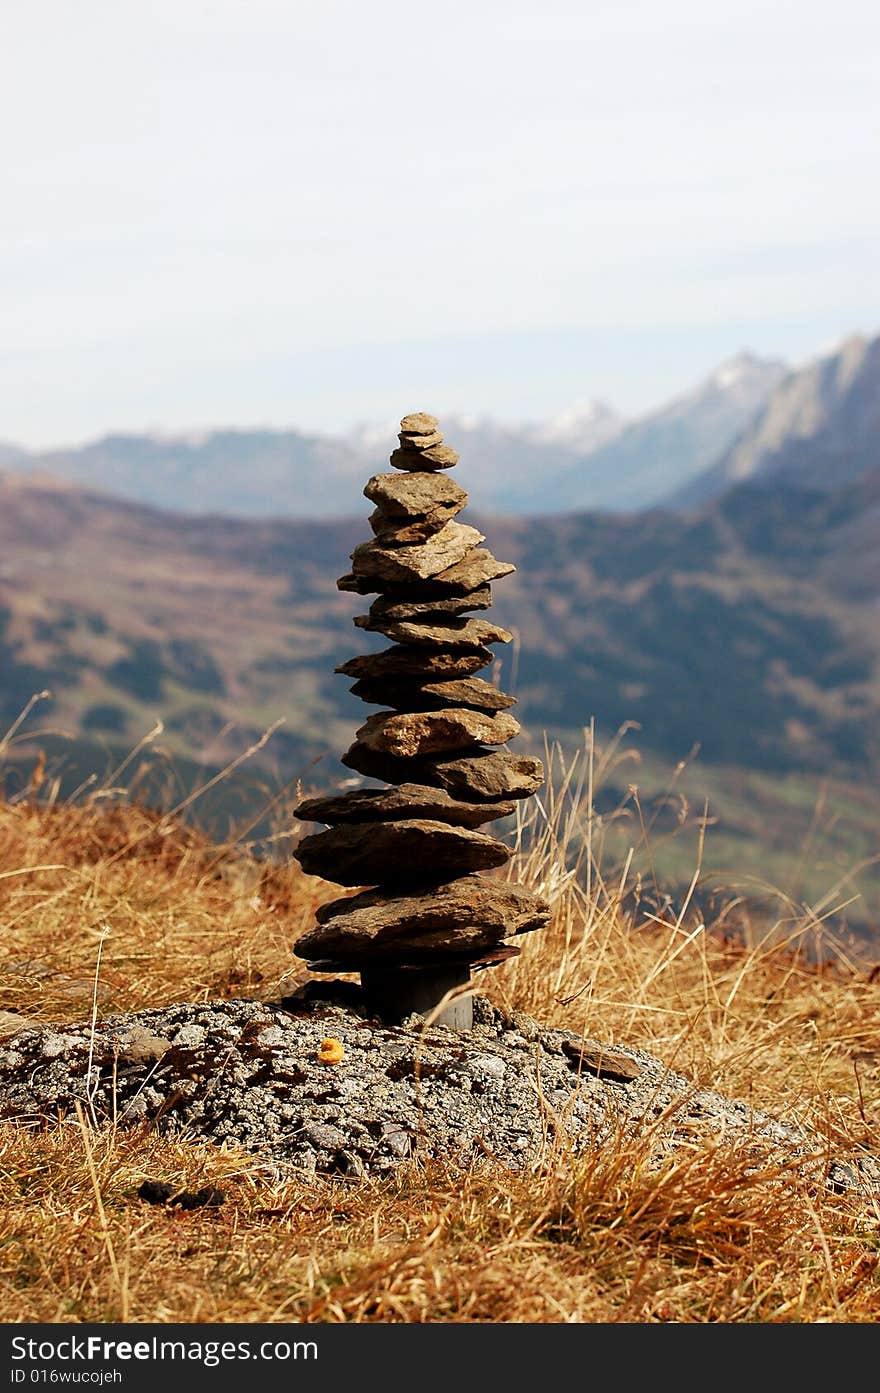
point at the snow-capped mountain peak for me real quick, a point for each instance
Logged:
(582, 427)
(744, 373)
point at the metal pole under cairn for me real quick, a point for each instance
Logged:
(395, 993)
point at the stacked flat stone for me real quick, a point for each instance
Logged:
(433, 914)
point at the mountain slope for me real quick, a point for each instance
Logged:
(819, 429)
(587, 456)
(750, 630)
(265, 473)
(244, 473)
(129, 615)
(12, 456)
(509, 466)
(657, 455)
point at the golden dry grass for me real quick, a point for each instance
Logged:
(703, 1237)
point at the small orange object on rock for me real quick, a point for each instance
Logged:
(331, 1051)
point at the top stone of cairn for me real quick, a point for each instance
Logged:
(421, 445)
(419, 423)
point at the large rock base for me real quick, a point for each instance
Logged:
(509, 1093)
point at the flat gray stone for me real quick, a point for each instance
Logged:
(601, 1060)
(419, 439)
(430, 732)
(387, 607)
(490, 774)
(419, 422)
(404, 532)
(474, 692)
(407, 661)
(354, 952)
(448, 631)
(475, 571)
(412, 957)
(414, 495)
(469, 914)
(393, 804)
(445, 549)
(357, 584)
(397, 853)
(423, 453)
(479, 567)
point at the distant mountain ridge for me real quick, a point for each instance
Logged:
(819, 428)
(13, 456)
(652, 457)
(753, 419)
(749, 628)
(587, 456)
(236, 473)
(510, 465)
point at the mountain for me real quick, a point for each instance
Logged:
(653, 457)
(582, 427)
(820, 428)
(586, 456)
(12, 456)
(275, 473)
(129, 615)
(243, 473)
(508, 465)
(749, 628)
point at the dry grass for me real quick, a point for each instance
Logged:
(610, 1237)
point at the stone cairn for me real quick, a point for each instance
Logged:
(432, 916)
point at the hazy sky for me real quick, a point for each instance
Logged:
(309, 214)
